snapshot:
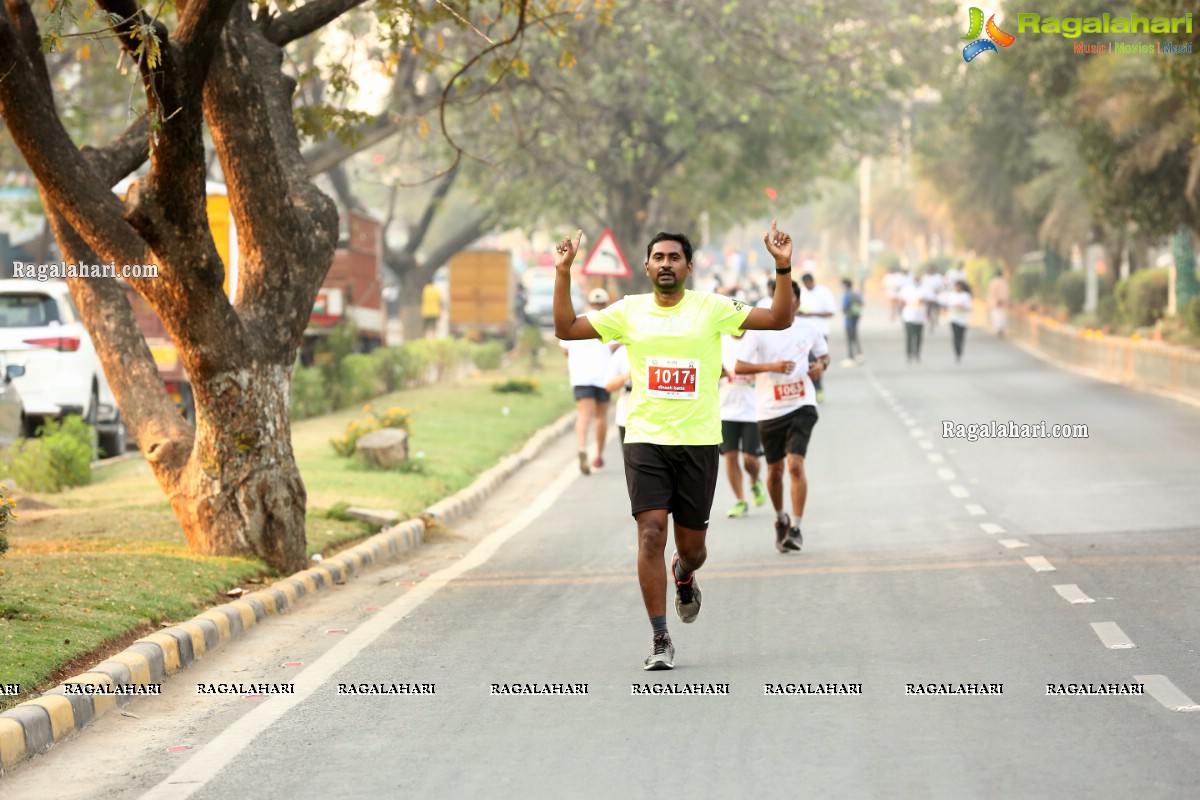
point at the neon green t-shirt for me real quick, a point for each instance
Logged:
(675, 358)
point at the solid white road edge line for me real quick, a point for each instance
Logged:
(209, 759)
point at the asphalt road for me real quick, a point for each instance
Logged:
(1010, 564)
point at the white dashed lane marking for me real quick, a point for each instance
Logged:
(935, 458)
(946, 474)
(1072, 593)
(925, 444)
(1112, 636)
(960, 492)
(991, 527)
(976, 510)
(1012, 544)
(1166, 693)
(1039, 564)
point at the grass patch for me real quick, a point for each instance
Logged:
(59, 606)
(107, 562)
(461, 429)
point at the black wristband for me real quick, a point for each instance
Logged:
(779, 271)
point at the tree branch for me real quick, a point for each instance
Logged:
(287, 228)
(70, 185)
(418, 232)
(199, 30)
(27, 30)
(169, 207)
(124, 154)
(464, 236)
(311, 16)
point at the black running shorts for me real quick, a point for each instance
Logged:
(788, 434)
(740, 437)
(597, 393)
(680, 478)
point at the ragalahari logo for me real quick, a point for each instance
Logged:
(995, 36)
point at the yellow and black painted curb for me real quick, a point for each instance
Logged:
(38, 724)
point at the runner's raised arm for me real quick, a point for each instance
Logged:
(566, 325)
(779, 317)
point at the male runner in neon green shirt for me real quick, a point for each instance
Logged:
(673, 431)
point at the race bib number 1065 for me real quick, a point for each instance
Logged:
(672, 378)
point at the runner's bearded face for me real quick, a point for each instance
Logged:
(666, 267)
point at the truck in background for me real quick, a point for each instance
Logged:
(483, 292)
(352, 291)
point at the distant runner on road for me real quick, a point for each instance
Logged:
(673, 431)
(786, 364)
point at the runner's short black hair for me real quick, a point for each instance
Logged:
(663, 236)
(771, 287)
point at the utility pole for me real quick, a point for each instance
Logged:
(864, 217)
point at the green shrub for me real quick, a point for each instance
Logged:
(393, 364)
(7, 515)
(488, 355)
(60, 457)
(361, 377)
(1027, 283)
(1191, 315)
(308, 396)
(1072, 291)
(1142, 297)
(439, 356)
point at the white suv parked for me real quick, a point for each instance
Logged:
(40, 329)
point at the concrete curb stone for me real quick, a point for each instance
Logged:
(38, 724)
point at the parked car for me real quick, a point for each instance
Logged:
(41, 330)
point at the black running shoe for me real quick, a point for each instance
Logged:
(794, 540)
(687, 595)
(662, 653)
(782, 528)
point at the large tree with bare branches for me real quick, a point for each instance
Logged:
(232, 480)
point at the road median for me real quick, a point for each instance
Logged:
(60, 712)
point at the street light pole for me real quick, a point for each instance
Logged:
(864, 216)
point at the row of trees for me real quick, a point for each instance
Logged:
(1039, 147)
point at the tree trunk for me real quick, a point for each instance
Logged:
(240, 490)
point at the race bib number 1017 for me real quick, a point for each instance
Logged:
(672, 378)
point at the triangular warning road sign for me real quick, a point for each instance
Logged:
(606, 259)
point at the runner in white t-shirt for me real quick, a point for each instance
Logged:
(587, 368)
(787, 411)
(914, 310)
(739, 428)
(933, 284)
(620, 383)
(958, 301)
(817, 305)
(893, 282)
